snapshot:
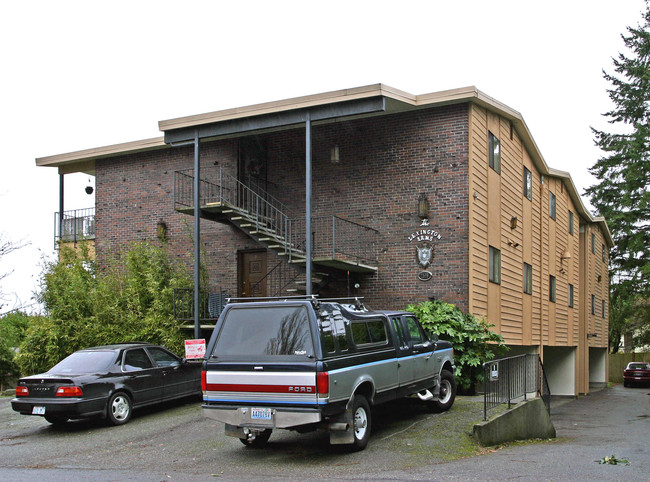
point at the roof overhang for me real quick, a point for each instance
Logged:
(347, 104)
(84, 161)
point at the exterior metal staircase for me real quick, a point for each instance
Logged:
(336, 243)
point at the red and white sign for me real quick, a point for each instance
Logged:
(195, 349)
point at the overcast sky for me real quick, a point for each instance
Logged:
(83, 74)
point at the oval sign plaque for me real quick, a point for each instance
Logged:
(425, 276)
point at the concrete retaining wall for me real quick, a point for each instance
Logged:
(526, 420)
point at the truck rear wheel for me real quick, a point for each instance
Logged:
(447, 392)
(257, 440)
(361, 423)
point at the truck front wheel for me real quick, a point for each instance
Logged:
(447, 391)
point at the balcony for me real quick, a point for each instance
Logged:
(76, 225)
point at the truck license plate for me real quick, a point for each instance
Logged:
(261, 413)
(38, 410)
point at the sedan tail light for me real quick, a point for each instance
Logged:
(22, 391)
(69, 392)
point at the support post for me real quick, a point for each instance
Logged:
(308, 246)
(61, 190)
(197, 236)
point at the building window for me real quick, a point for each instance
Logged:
(528, 279)
(551, 288)
(495, 153)
(604, 308)
(570, 295)
(528, 184)
(593, 304)
(495, 265)
(604, 254)
(551, 205)
(571, 222)
(593, 243)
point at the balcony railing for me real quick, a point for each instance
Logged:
(76, 225)
(338, 239)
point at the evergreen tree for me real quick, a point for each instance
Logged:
(622, 193)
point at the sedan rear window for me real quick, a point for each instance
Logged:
(265, 332)
(84, 362)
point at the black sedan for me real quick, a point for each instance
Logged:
(107, 381)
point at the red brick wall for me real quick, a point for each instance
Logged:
(385, 164)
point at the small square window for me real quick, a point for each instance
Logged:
(551, 288)
(495, 265)
(494, 152)
(570, 295)
(551, 205)
(528, 184)
(571, 222)
(528, 279)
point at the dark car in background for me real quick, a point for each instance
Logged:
(636, 373)
(107, 381)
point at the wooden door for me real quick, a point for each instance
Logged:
(252, 270)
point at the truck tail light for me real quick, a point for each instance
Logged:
(323, 383)
(22, 391)
(204, 383)
(69, 392)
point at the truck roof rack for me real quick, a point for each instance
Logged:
(354, 300)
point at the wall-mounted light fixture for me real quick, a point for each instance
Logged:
(513, 222)
(334, 154)
(161, 230)
(423, 206)
(565, 255)
(592, 335)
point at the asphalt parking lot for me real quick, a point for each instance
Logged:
(175, 442)
(408, 443)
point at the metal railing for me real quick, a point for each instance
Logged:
(514, 379)
(76, 225)
(277, 280)
(332, 236)
(338, 239)
(219, 187)
(211, 304)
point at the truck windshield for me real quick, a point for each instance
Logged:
(265, 332)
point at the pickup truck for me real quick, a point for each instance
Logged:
(307, 363)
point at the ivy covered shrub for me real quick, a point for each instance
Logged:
(130, 300)
(473, 342)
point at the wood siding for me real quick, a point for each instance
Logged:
(538, 240)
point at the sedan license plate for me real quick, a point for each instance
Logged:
(38, 410)
(261, 413)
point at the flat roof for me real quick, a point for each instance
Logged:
(339, 104)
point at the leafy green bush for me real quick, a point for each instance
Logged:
(130, 300)
(473, 342)
(12, 330)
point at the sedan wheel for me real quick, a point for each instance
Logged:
(119, 408)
